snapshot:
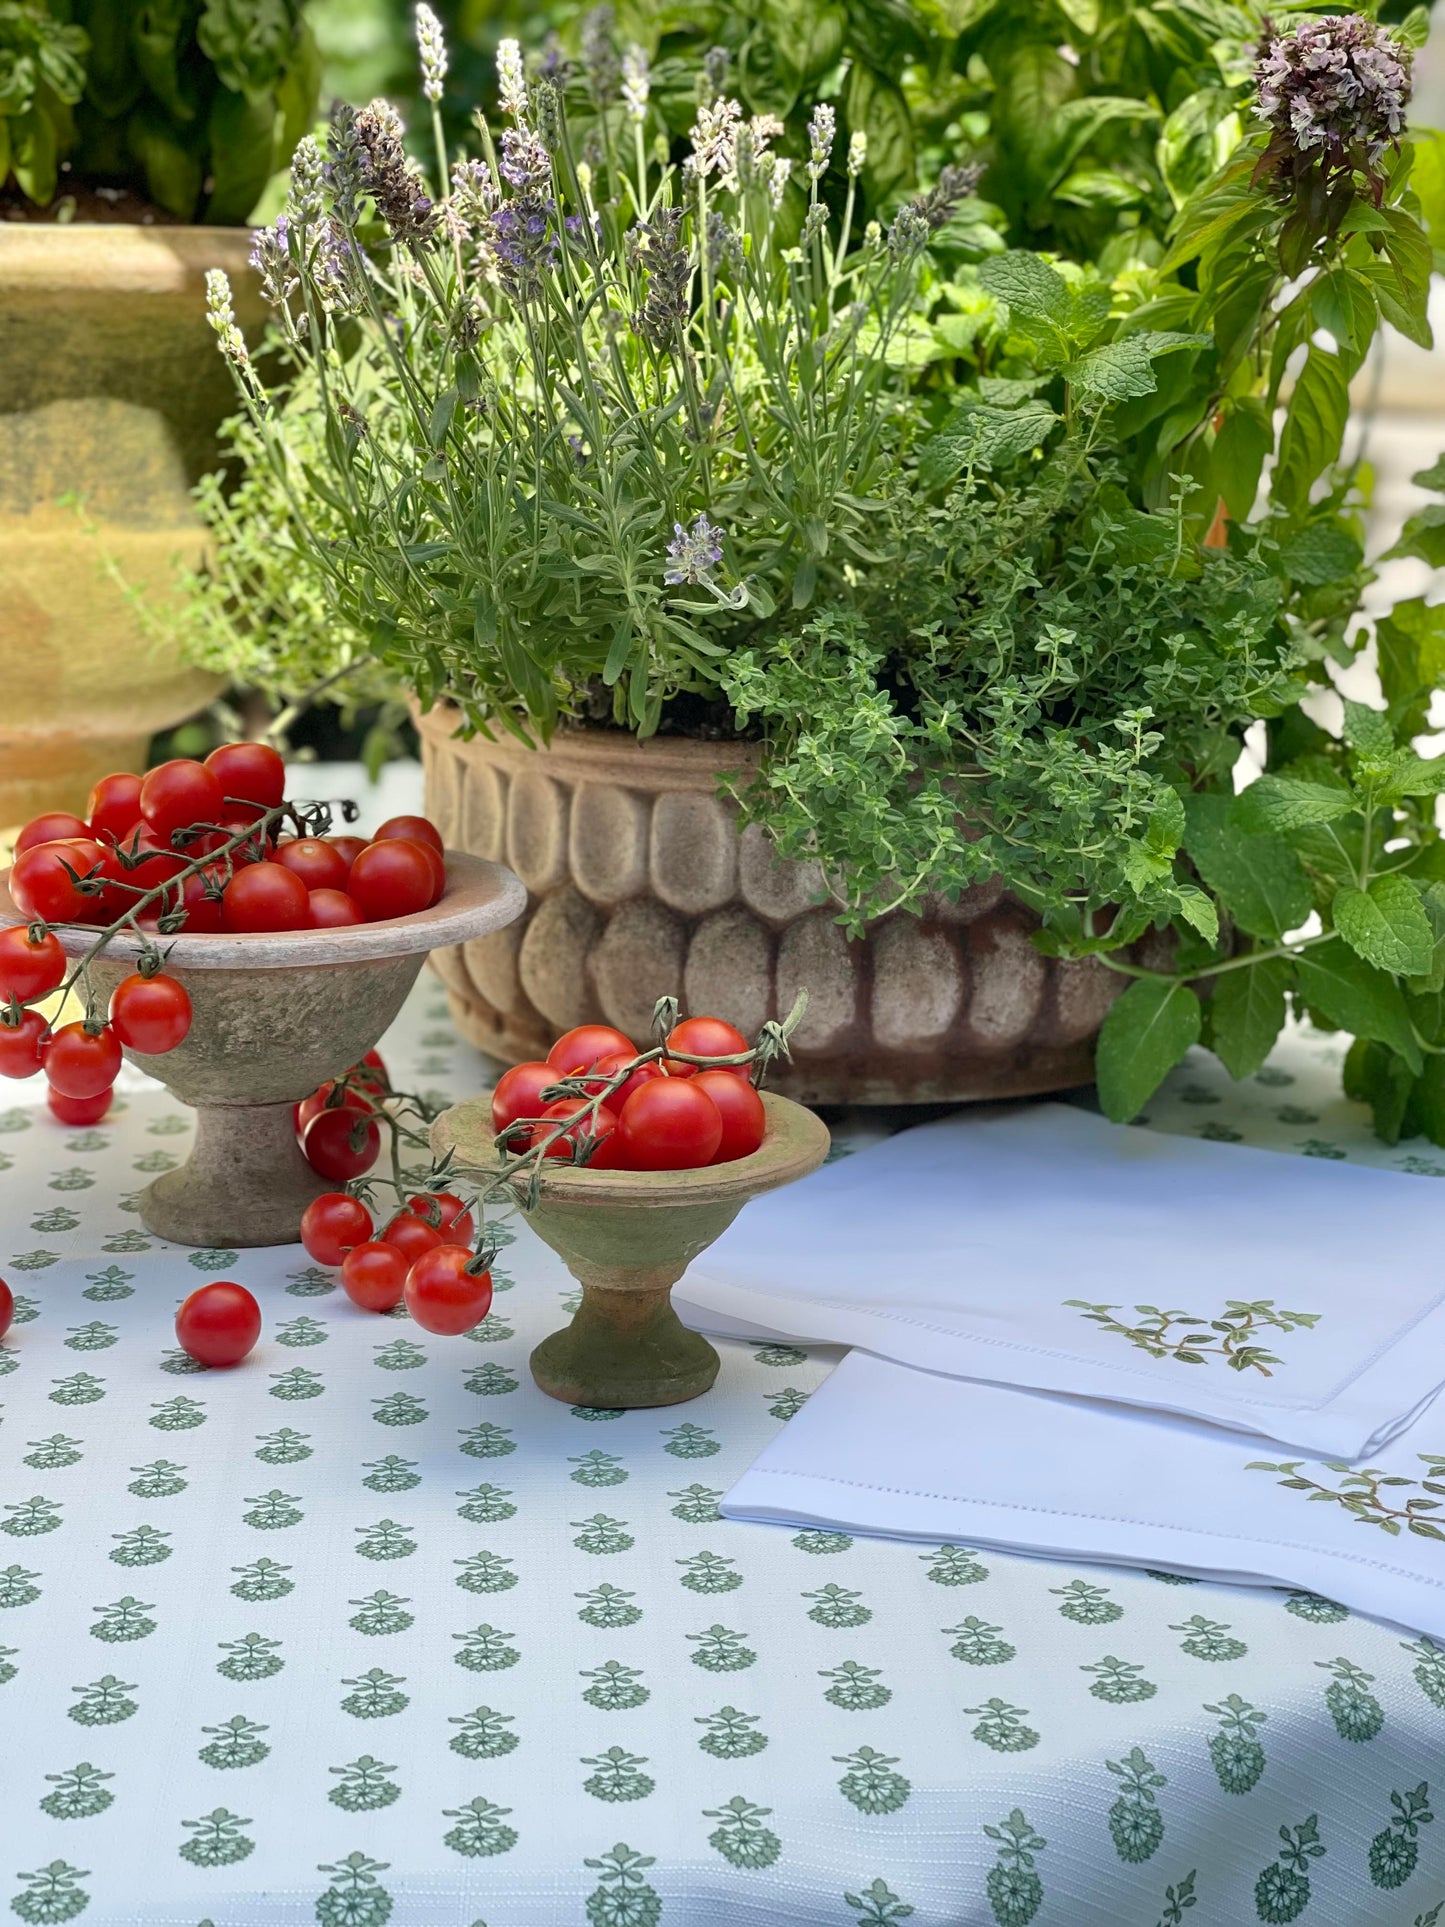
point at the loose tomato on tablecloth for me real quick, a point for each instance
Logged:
(219, 1323)
(334, 1224)
(7, 1307)
(373, 1275)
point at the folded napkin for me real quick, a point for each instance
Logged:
(886, 1449)
(1044, 1247)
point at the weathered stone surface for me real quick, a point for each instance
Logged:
(730, 969)
(1081, 995)
(537, 830)
(450, 966)
(694, 851)
(1006, 983)
(813, 955)
(552, 963)
(639, 959)
(918, 984)
(777, 890)
(494, 966)
(484, 810)
(608, 842)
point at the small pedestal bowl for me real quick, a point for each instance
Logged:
(274, 1016)
(627, 1237)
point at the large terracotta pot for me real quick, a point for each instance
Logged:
(111, 391)
(640, 885)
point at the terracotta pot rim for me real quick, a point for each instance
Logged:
(479, 897)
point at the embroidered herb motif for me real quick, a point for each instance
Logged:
(1363, 1492)
(1190, 1340)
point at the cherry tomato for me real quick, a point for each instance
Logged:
(349, 848)
(114, 806)
(518, 1093)
(30, 967)
(411, 1235)
(257, 848)
(438, 868)
(419, 829)
(219, 1323)
(744, 1120)
(264, 896)
(341, 1144)
(604, 1156)
(59, 826)
(579, 1049)
(333, 910)
(82, 1063)
(376, 1064)
(7, 1307)
(316, 863)
(608, 1067)
(203, 911)
(668, 1125)
(78, 1110)
(709, 1037)
(150, 1014)
(148, 862)
(452, 1217)
(351, 1098)
(443, 1296)
(21, 1047)
(332, 1225)
(177, 794)
(392, 879)
(40, 885)
(249, 773)
(373, 1275)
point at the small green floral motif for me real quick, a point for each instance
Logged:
(1136, 1825)
(491, 1331)
(283, 1448)
(301, 1331)
(787, 1403)
(362, 1786)
(483, 1735)
(94, 1337)
(488, 1442)
(710, 1572)
(1317, 1147)
(387, 1539)
(142, 1546)
(1230, 1337)
(616, 1775)
(26, 1311)
(598, 1468)
(485, 1649)
(601, 1535)
(171, 1125)
(1362, 1492)
(400, 1408)
(1119, 1681)
(270, 1511)
(870, 1784)
(1319, 1612)
(355, 1897)
(1001, 1726)
(35, 1260)
(1395, 1850)
(401, 1355)
(615, 1687)
(730, 1734)
(58, 1218)
(1178, 1900)
(691, 1442)
(126, 1241)
(1208, 1639)
(380, 1613)
(606, 1608)
(593, 1414)
(178, 1414)
(485, 1572)
(622, 1896)
(717, 1650)
(16, 1119)
(7, 1671)
(17, 1587)
(262, 1580)
(490, 1381)
(878, 1906)
(213, 1260)
(81, 1388)
(740, 1836)
(1295, 1114)
(51, 1894)
(111, 1283)
(251, 1657)
(485, 1505)
(216, 1839)
(28, 1518)
(105, 1702)
(150, 1161)
(697, 1505)
(374, 1695)
(857, 1689)
(479, 1832)
(75, 1178)
(391, 1474)
(299, 1382)
(180, 1364)
(1086, 1604)
(235, 1743)
(977, 1643)
(1273, 1078)
(812, 1539)
(1015, 1891)
(122, 1621)
(954, 1566)
(1429, 1671)
(80, 1793)
(1215, 1132)
(1356, 1713)
(129, 1202)
(838, 1607)
(310, 1282)
(1282, 1891)
(8, 1361)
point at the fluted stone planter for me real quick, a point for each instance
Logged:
(640, 885)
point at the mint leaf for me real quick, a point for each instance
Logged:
(1368, 732)
(1320, 554)
(1357, 997)
(1284, 803)
(1117, 372)
(1386, 925)
(1247, 1013)
(1376, 1076)
(1144, 1036)
(1259, 879)
(1028, 284)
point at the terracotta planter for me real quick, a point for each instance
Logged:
(111, 391)
(640, 885)
(627, 1237)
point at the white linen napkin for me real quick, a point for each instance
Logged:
(1045, 1247)
(885, 1449)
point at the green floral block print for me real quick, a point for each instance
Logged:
(375, 1696)
(81, 1388)
(126, 1241)
(786, 1403)
(105, 1702)
(34, 1260)
(1086, 1604)
(591, 1414)
(391, 1474)
(300, 1332)
(483, 1735)
(235, 1743)
(857, 1689)
(178, 1414)
(26, 1310)
(152, 1161)
(1319, 1612)
(401, 1355)
(57, 1218)
(1119, 1681)
(691, 1442)
(486, 1649)
(1178, 1900)
(1429, 1672)
(878, 1906)
(17, 1587)
(253, 1656)
(1235, 1751)
(213, 1260)
(838, 1607)
(696, 1505)
(490, 1381)
(606, 1607)
(1208, 1639)
(122, 1622)
(216, 1839)
(109, 1284)
(718, 1650)
(380, 1613)
(263, 1579)
(79, 1794)
(486, 1572)
(272, 1511)
(977, 1643)
(28, 1518)
(1190, 1340)
(144, 1546)
(486, 1505)
(93, 1337)
(7, 1671)
(1282, 1891)
(1136, 1825)
(1395, 1850)
(310, 1282)
(1001, 1726)
(355, 1897)
(387, 1539)
(954, 1566)
(615, 1687)
(740, 1836)
(479, 1832)
(51, 1893)
(488, 1442)
(870, 1784)
(299, 1383)
(1356, 1713)
(598, 1469)
(180, 1364)
(812, 1539)
(730, 1734)
(284, 1447)
(75, 1178)
(1015, 1891)
(710, 1572)
(1362, 1492)
(616, 1775)
(622, 1896)
(602, 1535)
(401, 1408)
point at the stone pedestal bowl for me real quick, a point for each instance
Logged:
(627, 1237)
(275, 1015)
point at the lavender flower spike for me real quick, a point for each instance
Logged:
(694, 552)
(432, 47)
(636, 83)
(821, 131)
(511, 86)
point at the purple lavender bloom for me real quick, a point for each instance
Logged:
(271, 258)
(694, 552)
(524, 242)
(525, 161)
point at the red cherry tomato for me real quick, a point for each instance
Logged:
(257, 848)
(78, 1110)
(333, 910)
(348, 848)
(351, 1098)
(518, 1093)
(7, 1307)
(744, 1120)
(608, 1067)
(392, 879)
(334, 1224)
(82, 1063)
(375, 1063)
(114, 806)
(411, 1235)
(603, 1156)
(443, 1296)
(22, 1052)
(709, 1037)
(249, 773)
(668, 1125)
(264, 896)
(151, 1015)
(341, 1144)
(40, 885)
(203, 911)
(316, 863)
(419, 829)
(453, 1218)
(175, 795)
(373, 1275)
(148, 862)
(59, 826)
(30, 967)
(438, 869)
(219, 1323)
(579, 1049)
